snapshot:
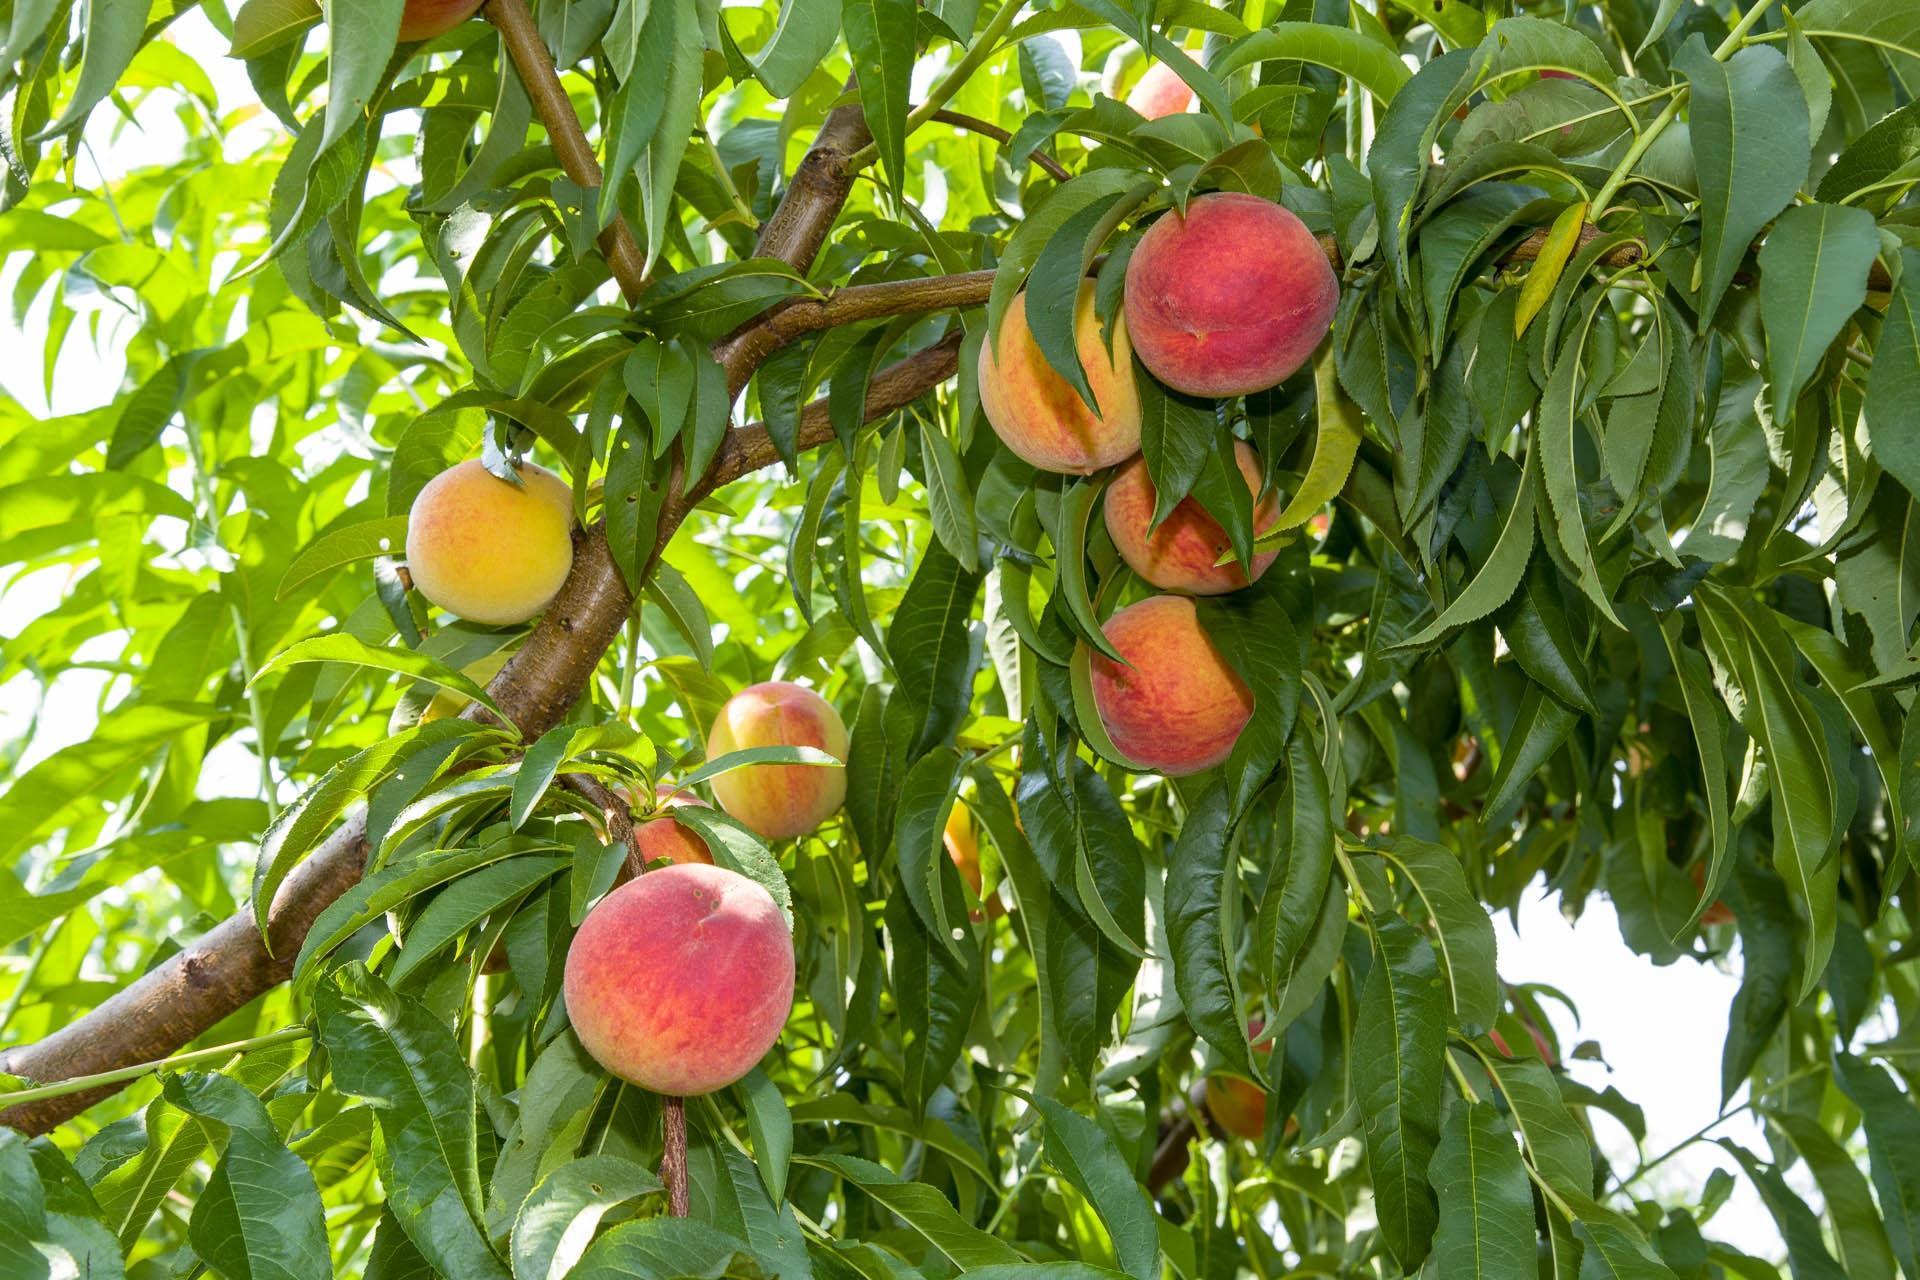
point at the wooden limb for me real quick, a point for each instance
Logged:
(229, 967)
(535, 65)
(615, 817)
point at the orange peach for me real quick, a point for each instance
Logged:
(425, 19)
(962, 844)
(1238, 1105)
(663, 837)
(1174, 706)
(681, 979)
(489, 551)
(779, 801)
(1038, 413)
(1181, 554)
(1160, 92)
(1230, 299)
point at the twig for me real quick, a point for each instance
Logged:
(615, 816)
(122, 1075)
(974, 124)
(535, 65)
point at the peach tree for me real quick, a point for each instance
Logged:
(656, 638)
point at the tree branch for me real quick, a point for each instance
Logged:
(227, 968)
(535, 65)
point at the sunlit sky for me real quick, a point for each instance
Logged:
(1660, 1029)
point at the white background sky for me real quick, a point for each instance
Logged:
(1660, 1028)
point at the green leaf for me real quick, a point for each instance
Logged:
(1557, 1147)
(1857, 1230)
(1494, 585)
(1806, 1251)
(663, 1249)
(1555, 437)
(1893, 384)
(557, 1222)
(1334, 449)
(1399, 1075)
(922, 1208)
(1615, 1251)
(1893, 1149)
(1201, 894)
(259, 1216)
(1884, 24)
(1486, 1202)
(1086, 1155)
(340, 546)
(1710, 725)
(770, 1125)
(353, 651)
(1748, 123)
(1351, 53)
(1813, 277)
(1884, 152)
(261, 26)
(114, 29)
(1290, 904)
(660, 166)
(802, 36)
(466, 902)
(880, 38)
(394, 1053)
(1562, 238)
(1176, 433)
(931, 644)
(1460, 922)
(634, 115)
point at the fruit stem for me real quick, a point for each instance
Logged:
(673, 1156)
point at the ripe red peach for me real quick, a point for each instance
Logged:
(681, 979)
(1160, 92)
(425, 19)
(779, 801)
(1181, 554)
(1038, 413)
(663, 837)
(489, 551)
(1230, 299)
(1174, 706)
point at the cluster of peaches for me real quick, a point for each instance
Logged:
(681, 979)
(1229, 299)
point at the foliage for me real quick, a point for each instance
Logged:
(1618, 426)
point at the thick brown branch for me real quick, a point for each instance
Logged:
(228, 968)
(535, 65)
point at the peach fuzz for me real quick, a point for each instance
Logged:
(1160, 92)
(1174, 706)
(489, 551)
(681, 979)
(425, 19)
(663, 837)
(1038, 413)
(1182, 554)
(1230, 299)
(779, 801)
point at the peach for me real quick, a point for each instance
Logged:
(665, 838)
(779, 801)
(1236, 1104)
(962, 844)
(489, 551)
(1181, 554)
(1038, 413)
(681, 979)
(1174, 706)
(425, 19)
(1232, 298)
(1717, 912)
(1160, 92)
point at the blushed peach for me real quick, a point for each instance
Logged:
(1160, 92)
(1181, 554)
(489, 551)
(1038, 413)
(962, 844)
(1230, 299)
(681, 979)
(779, 801)
(1238, 1105)
(1174, 706)
(425, 19)
(663, 837)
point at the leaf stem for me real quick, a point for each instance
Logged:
(984, 46)
(80, 1084)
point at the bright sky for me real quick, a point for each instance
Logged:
(1660, 1028)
